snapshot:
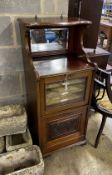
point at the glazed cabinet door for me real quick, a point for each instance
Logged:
(65, 91)
(62, 129)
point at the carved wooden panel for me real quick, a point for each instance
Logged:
(61, 128)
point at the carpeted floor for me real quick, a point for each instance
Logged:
(84, 160)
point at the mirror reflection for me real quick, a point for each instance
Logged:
(48, 39)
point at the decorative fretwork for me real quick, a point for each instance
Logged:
(61, 128)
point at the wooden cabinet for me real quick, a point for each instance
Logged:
(59, 81)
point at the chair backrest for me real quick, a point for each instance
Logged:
(102, 85)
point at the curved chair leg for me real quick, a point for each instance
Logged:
(100, 131)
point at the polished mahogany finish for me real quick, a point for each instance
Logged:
(60, 65)
(58, 86)
(74, 8)
(33, 23)
(98, 56)
(76, 27)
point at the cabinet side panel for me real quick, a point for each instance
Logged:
(31, 85)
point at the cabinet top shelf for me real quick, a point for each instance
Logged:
(52, 22)
(59, 65)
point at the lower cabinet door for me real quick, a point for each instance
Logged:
(62, 129)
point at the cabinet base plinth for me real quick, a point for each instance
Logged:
(81, 143)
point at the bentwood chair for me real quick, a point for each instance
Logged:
(102, 98)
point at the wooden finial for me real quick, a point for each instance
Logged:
(36, 17)
(61, 16)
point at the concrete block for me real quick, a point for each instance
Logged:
(13, 120)
(18, 99)
(27, 161)
(17, 28)
(48, 7)
(9, 85)
(11, 60)
(6, 31)
(2, 144)
(62, 7)
(19, 6)
(22, 75)
(12, 88)
(17, 141)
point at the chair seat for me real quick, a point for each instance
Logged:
(105, 103)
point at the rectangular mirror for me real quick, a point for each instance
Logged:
(51, 39)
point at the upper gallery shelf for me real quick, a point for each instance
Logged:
(53, 35)
(53, 22)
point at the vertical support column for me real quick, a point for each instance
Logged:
(90, 10)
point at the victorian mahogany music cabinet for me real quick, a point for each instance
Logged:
(59, 80)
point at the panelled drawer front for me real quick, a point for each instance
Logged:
(66, 91)
(63, 129)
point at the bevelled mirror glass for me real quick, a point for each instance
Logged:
(46, 40)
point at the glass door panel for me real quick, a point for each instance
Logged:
(67, 90)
